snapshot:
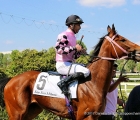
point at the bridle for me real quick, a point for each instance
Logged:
(113, 43)
(111, 40)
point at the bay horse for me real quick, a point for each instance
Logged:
(132, 108)
(22, 104)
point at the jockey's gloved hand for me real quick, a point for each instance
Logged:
(83, 52)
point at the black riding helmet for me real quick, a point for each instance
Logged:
(73, 19)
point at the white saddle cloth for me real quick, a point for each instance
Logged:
(46, 85)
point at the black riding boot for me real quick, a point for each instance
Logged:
(63, 84)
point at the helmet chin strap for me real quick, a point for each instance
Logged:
(72, 28)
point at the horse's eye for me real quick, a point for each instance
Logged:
(123, 40)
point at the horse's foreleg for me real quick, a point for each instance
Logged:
(14, 113)
(17, 103)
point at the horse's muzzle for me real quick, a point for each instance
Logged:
(135, 55)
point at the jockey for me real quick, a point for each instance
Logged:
(67, 50)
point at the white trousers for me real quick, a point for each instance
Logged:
(63, 68)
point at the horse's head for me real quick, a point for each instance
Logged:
(118, 46)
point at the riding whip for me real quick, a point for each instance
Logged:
(81, 40)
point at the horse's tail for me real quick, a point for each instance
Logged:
(3, 82)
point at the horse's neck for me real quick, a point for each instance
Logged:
(101, 72)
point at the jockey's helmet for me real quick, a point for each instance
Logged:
(73, 19)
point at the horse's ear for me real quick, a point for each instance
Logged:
(108, 29)
(113, 27)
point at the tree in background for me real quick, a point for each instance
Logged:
(130, 66)
(138, 67)
(1, 59)
(21, 61)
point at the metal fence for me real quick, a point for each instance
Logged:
(128, 86)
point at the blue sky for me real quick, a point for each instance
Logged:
(35, 24)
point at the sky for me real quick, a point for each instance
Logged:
(35, 24)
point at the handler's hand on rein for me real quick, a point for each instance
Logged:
(123, 79)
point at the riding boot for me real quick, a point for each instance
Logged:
(76, 76)
(63, 84)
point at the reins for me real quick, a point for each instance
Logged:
(120, 84)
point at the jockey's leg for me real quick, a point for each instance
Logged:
(63, 84)
(75, 71)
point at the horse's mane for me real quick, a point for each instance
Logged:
(97, 47)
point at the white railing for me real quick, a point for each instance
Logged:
(118, 73)
(134, 79)
(128, 86)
